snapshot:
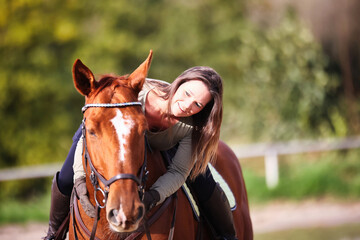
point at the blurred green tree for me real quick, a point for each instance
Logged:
(276, 86)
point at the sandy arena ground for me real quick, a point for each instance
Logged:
(272, 217)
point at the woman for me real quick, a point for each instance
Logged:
(184, 119)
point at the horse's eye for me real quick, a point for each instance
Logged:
(92, 132)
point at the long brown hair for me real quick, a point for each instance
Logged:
(206, 131)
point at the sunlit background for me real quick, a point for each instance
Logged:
(291, 71)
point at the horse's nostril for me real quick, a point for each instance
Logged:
(112, 216)
(141, 212)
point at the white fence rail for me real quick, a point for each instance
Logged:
(26, 172)
(270, 152)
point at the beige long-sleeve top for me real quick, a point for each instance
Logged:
(181, 165)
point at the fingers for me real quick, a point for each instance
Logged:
(150, 199)
(87, 206)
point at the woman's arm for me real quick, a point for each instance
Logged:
(177, 172)
(78, 164)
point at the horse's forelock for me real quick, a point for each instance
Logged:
(111, 77)
(107, 80)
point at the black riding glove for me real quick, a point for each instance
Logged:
(151, 198)
(81, 192)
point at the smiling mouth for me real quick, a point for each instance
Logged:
(181, 108)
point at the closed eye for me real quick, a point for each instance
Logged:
(199, 105)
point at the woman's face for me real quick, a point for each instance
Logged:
(190, 98)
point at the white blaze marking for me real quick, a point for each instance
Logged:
(123, 128)
(121, 216)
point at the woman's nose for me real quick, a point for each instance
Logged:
(188, 105)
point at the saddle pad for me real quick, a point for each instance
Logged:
(192, 201)
(225, 187)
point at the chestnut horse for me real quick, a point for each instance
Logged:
(116, 163)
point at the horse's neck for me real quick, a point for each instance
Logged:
(156, 167)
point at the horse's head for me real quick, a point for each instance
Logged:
(114, 138)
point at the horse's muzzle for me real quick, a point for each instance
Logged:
(121, 222)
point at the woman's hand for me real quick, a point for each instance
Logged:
(150, 199)
(81, 192)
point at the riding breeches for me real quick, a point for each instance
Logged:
(66, 175)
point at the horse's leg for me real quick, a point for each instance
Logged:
(229, 167)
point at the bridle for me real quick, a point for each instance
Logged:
(95, 176)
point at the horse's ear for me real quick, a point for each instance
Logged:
(84, 79)
(137, 78)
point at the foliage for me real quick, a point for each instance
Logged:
(283, 87)
(276, 86)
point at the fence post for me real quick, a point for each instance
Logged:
(271, 169)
